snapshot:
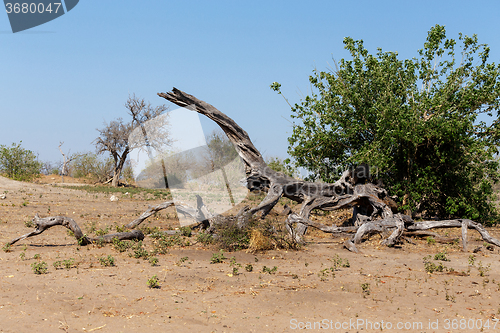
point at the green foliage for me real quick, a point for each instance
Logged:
(431, 240)
(67, 263)
(153, 261)
(121, 246)
(107, 261)
(6, 247)
(422, 122)
(324, 273)
(153, 282)
(232, 238)
(268, 270)
(441, 256)
(218, 258)
(91, 166)
(366, 288)
(39, 267)
(19, 163)
(339, 262)
(139, 251)
(185, 231)
(431, 267)
(283, 166)
(205, 238)
(235, 265)
(249, 267)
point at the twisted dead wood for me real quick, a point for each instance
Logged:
(372, 205)
(45, 223)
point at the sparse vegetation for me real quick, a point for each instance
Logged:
(153, 282)
(153, 261)
(218, 258)
(67, 263)
(268, 270)
(6, 247)
(39, 267)
(107, 261)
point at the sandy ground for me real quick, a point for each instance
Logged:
(382, 290)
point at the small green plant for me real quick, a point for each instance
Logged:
(441, 256)
(139, 251)
(235, 265)
(483, 270)
(102, 232)
(39, 267)
(205, 238)
(366, 288)
(121, 228)
(6, 247)
(121, 246)
(185, 231)
(249, 267)
(67, 263)
(431, 240)
(339, 262)
(183, 259)
(268, 270)
(153, 261)
(431, 267)
(82, 240)
(99, 242)
(324, 273)
(22, 255)
(29, 224)
(218, 258)
(153, 282)
(472, 260)
(36, 256)
(107, 261)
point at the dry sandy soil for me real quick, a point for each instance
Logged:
(383, 290)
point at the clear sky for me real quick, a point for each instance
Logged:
(62, 80)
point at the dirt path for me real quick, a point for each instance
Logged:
(381, 290)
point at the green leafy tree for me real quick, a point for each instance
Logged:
(19, 163)
(423, 122)
(283, 166)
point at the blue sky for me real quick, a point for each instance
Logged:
(61, 80)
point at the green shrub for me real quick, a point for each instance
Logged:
(185, 231)
(19, 163)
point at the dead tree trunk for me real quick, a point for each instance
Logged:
(372, 203)
(43, 224)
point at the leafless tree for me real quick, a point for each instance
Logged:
(67, 158)
(115, 139)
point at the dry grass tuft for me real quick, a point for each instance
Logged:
(259, 242)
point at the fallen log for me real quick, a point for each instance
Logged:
(45, 223)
